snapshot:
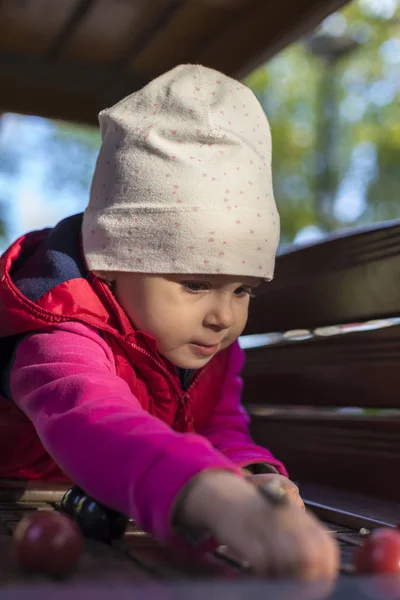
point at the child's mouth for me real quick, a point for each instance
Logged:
(204, 350)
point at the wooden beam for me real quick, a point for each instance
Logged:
(353, 369)
(69, 28)
(349, 277)
(77, 92)
(267, 28)
(60, 90)
(144, 38)
(358, 454)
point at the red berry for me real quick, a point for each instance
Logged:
(49, 543)
(379, 553)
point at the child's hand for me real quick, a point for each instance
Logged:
(275, 540)
(290, 488)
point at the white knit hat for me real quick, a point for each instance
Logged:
(183, 181)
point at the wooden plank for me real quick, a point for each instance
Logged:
(346, 588)
(32, 25)
(350, 509)
(31, 492)
(104, 562)
(359, 454)
(353, 369)
(178, 40)
(164, 562)
(112, 30)
(76, 17)
(266, 28)
(110, 35)
(347, 278)
(99, 562)
(60, 90)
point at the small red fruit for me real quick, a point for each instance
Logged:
(48, 543)
(379, 553)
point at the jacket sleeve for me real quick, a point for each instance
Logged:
(64, 380)
(228, 429)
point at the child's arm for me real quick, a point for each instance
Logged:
(64, 379)
(228, 429)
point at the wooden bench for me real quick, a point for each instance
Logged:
(333, 318)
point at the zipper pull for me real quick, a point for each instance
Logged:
(187, 415)
(189, 423)
(184, 420)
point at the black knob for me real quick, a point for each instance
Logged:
(71, 500)
(99, 522)
(95, 520)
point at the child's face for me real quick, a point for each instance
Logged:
(191, 317)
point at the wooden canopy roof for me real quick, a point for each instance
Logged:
(69, 59)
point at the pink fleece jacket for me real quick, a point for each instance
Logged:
(64, 379)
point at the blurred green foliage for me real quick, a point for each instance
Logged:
(333, 101)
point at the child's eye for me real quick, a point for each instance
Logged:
(195, 286)
(243, 291)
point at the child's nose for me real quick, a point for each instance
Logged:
(220, 316)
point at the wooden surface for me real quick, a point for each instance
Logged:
(358, 369)
(296, 382)
(31, 491)
(356, 453)
(354, 510)
(345, 589)
(138, 567)
(347, 278)
(137, 557)
(71, 59)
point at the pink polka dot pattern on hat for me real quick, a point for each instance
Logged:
(188, 154)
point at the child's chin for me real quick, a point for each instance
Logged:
(190, 362)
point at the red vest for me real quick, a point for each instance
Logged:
(152, 379)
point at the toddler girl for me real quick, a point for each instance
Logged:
(120, 364)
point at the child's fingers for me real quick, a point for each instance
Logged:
(281, 542)
(290, 488)
(274, 537)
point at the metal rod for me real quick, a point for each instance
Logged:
(345, 518)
